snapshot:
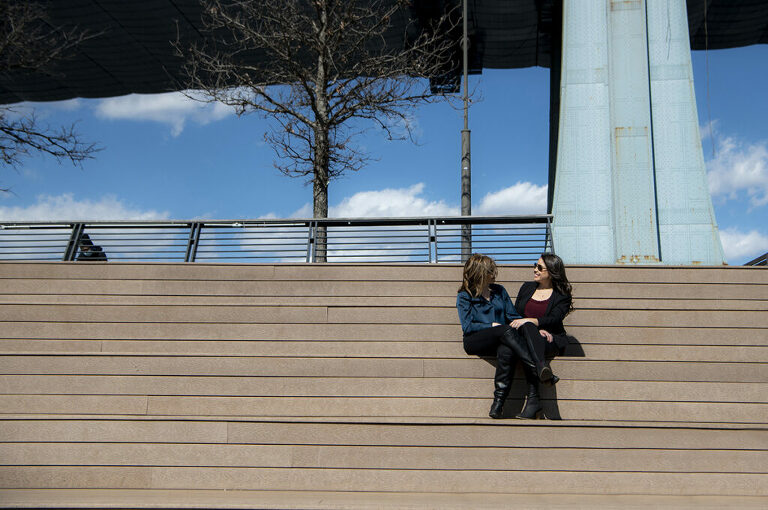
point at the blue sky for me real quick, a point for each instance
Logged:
(166, 157)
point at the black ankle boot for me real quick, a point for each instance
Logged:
(497, 408)
(532, 408)
(546, 375)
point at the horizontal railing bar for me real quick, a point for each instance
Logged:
(256, 242)
(377, 232)
(30, 233)
(481, 232)
(379, 249)
(247, 230)
(253, 251)
(460, 220)
(209, 245)
(271, 257)
(139, 236)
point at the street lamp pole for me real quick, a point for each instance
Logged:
(466, 167)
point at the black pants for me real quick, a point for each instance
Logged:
(487, 342)
(538, 344)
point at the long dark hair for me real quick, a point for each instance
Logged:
(556, 270)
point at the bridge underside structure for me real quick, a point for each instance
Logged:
(627, 180)
(630, 182)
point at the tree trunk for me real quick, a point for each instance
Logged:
(320, 205)
(322, 133)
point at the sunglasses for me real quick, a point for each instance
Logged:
(539, 267)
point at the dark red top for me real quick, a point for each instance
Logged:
(535, 309)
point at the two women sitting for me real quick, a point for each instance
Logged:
(530, 331)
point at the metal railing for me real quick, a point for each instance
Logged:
(762, 260)
(427, 240)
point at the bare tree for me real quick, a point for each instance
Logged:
(324, 71)
(29, 43)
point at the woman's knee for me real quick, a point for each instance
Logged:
(504, 352)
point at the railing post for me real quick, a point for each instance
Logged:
(193, 241)
(548, 237)
(311, 241)
(432, 240)
(73, 243)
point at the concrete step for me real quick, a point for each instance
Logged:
(202, 406)
(566, 368)
(360, 288)
(358, 315)
(219, 498)
(241, 272)
(583, 303)
(381, 387)
(344, 332)
(392, 272)
(647, 335)
(381, 457)
(619, 370)
(369, 349)
(203, 331)
(229, 288)
(410, 480)
(639, 334)
(163, 313)
(480, 432)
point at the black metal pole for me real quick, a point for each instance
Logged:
(466, 166)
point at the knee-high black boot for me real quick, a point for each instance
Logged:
(532, 408)
(537, 346)
(520, 346)
(505, 370)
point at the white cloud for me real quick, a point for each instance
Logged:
(739, 168)
(44, 109)
(520, 199)
(305, 211)
(389, 203)
(742, 246)
(68, 105)
(66, 208)
(173, 108)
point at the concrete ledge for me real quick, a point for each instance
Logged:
(244, 499)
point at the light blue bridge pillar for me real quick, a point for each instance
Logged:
(630, 182)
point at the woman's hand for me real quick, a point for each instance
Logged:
(494, 324)
(519, 322)
(546, 334)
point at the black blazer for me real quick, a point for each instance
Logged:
(552, 320)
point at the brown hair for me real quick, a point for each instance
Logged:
(478, 270)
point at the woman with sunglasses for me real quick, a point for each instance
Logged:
(486, 314)
(544, 303)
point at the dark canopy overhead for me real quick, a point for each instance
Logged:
(133, 51)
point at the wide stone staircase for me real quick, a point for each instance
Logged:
(345, 386)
